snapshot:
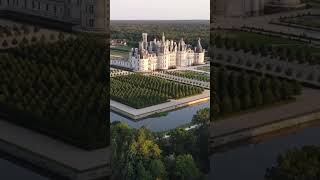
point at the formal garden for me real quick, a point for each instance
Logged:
(140, 91)
(266, 45)
(190, 75)
(58, 89)
(240, 91)
(13, 35)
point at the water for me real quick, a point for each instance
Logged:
(172, 120)
(10, 171)
(250, 160)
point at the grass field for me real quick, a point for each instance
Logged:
(120, 52)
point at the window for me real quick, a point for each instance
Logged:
(91, 9)
(68, 11)
(91, 22)
(47, 7)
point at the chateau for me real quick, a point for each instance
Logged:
(232, 8)
(85, 15)
(161, 55)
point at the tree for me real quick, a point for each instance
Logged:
(5, 44)
(202, 116)
(297, 87)
(226, 104)
(185, 168)
(267, 94)
(157, 169)
(303, 163)
(256, 92)
(182, 141)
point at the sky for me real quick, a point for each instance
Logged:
(160, 9)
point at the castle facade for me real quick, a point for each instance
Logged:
(234, 8)
(86, 15)
(162, 55)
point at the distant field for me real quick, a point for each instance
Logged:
(122, 48)
(311, 21)
(120, 52)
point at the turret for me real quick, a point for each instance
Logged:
(163, 38)
(199, 46)
(145, 40)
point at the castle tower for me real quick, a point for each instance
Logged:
(145, 40)
(163, 38)
(95, 15)
(199, 46)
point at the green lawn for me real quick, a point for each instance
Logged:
(121, 48)
(120, 52)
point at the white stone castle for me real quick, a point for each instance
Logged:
(162, 55)
(87, 15)
(243, 8)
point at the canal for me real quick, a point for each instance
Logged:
(11, 171)
(249, 160)
(168, 121)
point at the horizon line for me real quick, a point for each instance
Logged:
(159, 19)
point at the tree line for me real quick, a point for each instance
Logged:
(175, 30)
(237, 91)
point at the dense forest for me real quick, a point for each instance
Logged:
(139, 154)
(141, 91)
(58, 89)
(237, 91)
(190, 31)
